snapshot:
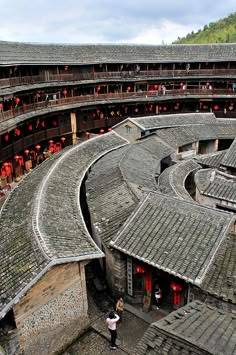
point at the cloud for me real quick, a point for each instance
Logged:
(106, 21)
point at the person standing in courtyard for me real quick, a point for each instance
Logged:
(111, 321)
(120, 308)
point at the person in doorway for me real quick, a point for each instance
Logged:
(158, 296)
(111, 321)
(120, 309)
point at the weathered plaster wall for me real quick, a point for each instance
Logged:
(54, 312)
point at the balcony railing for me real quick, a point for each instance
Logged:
(4, 116)
(15, 81)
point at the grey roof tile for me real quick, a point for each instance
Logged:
(194, 329)
(34, 53)
(33, 232)
(230, 157)
(173, 235)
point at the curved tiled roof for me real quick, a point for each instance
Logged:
(195, 329)
(33, 232)
(184, 119)
(118, 181)
(35, 53)
(172, 180)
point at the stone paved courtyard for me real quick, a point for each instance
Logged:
(96, 340)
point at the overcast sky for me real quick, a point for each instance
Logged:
(107, 21)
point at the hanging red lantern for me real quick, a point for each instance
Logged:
(66, 67)
(140, 269)
(128, 88)
(94, 115)
(97, 111)
(155, 87)
(54, 123)
(204, 107)
(109, 129)
(64, 92)
(216, 107)
(98, 88)
(26, 151)
(30, 127)
(164, 108)
(6, 137)
(17, 100)
(24, 104)
(37, 146)
(37, 95)
(50, 141)
(181, 84)
(43, 124)
(16, 157)
(63, 139)
(101, 131)
(1, 106)
(175, 286)
(17, 132)
(87, 133)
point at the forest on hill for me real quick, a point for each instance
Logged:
(221, 31)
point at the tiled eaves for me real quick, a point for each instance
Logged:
(172, 180)
(196, 329)
(69, 54)
(220, 280)
(158, 233)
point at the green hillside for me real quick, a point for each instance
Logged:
(222, 31)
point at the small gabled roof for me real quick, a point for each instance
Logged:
(41, 223)
(173, 235)
(195, 329)
(216, 184)
(212, 160)
(229, 159)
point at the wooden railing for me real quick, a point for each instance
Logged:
(4, 116)
(15, 81)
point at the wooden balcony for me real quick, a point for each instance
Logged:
(4, 116)
(15, 81)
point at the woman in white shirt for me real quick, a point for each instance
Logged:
(111, 323)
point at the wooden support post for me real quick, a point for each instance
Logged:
(73, 127)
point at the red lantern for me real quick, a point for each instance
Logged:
(181, 84)
(101, 131)
(50, 141)
(37, 95)
(6, 137)
(109, 129)
(204, 107)
(24, 104)
(1, 106)
(17, 100)
(63, 139)
(156, 87)
(26, 151)
(97, 111)
(66, 67)
(101, 116)
(30, 126)
(43, 124)
(37, 147)
(164, 108)
(16, 157)
(128, 88)
(207, 84)
(216, 107)
(54, 123)
(87, 134)
(98, 88)
(140, 269)
(64, 92)
(175, 287)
